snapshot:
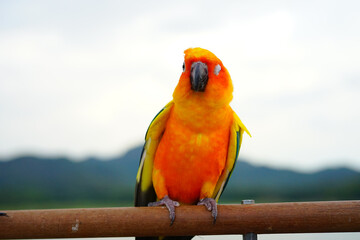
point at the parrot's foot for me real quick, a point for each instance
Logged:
(210, 205)
(170, 204)
(3, 214)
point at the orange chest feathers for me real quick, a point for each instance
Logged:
(193, 151)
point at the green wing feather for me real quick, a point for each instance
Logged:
(144, 190)
(236, 133)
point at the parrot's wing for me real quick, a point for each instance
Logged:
(236, 133)
(144, 191)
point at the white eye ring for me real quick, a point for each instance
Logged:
(217, 69)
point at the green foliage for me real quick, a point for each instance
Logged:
(31, 182)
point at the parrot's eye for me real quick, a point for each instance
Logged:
(217, 69)
(183, 66)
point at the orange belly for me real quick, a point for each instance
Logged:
(188, 158)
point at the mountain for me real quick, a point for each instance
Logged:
(38, 182)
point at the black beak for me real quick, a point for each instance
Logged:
(198, 76)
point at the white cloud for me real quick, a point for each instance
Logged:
(81, 78)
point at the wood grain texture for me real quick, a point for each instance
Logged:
(301, 217)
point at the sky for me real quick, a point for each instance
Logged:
(85, 78)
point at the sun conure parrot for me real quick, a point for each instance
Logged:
(192, 144)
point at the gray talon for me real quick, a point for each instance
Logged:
(210, 205)
(170, 205)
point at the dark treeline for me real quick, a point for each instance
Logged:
(34, 182)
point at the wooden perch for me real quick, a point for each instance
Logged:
(302, 217)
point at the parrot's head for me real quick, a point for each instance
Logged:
(204, 78)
